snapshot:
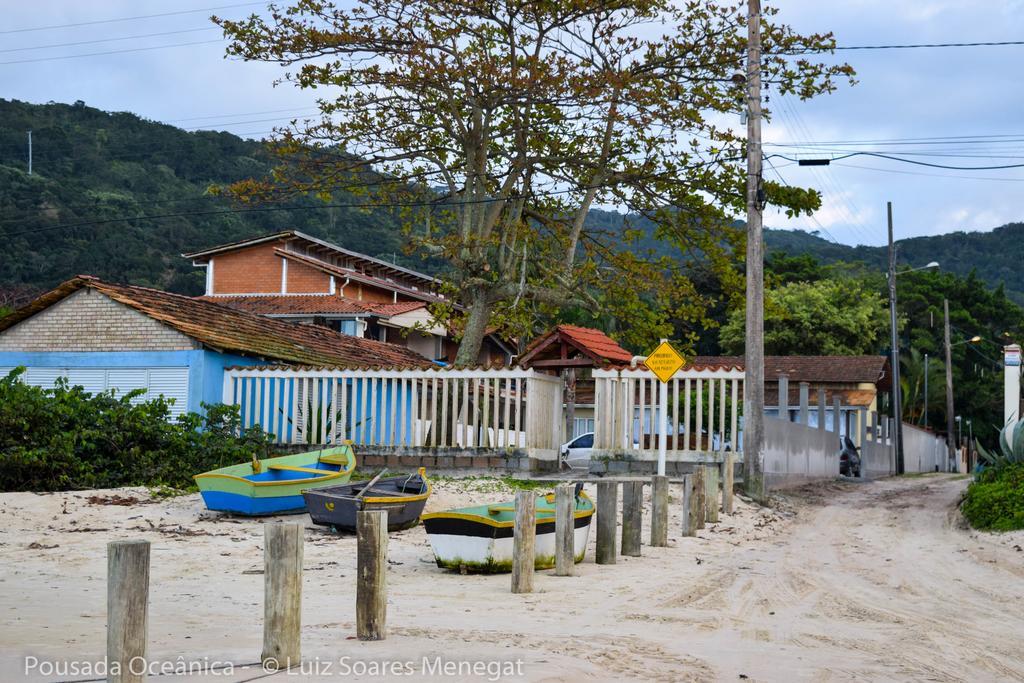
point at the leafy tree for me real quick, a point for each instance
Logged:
(526, 115)
(827, 317)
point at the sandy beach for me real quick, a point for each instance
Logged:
(842, 581)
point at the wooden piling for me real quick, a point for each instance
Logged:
(371, 574)
(711, 501)
(632, 517)
(607, 505)
(728, 474)
(688, 516)
(565, 529)
(699, 496)
(524, 535)
(282, 595)
(659, 511)
(127, 609)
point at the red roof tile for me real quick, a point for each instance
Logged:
(226, 329)
(595, 344)
(835, 369)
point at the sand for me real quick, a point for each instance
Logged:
(842, 581)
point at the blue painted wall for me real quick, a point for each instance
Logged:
(205, 376)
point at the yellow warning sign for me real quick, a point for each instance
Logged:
(664, 362)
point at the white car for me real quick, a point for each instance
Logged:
(576, 453)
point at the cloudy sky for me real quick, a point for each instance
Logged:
(950, 106)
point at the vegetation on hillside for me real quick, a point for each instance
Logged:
(90, 165)
(67, 438)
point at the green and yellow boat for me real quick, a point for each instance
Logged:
(480, 538)
(274, 486)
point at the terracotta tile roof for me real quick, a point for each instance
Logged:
(226, 329)
(316, 304)
(594, 344)
(832, 369)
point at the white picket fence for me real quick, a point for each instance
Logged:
(441, 408)
(704, 408)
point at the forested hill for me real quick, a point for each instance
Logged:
(91, 165)
(995, 256)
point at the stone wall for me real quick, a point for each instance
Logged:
(90, 321)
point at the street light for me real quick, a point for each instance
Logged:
(973, 340)
(897, 403)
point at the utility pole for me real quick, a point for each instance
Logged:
(30, 152)
(926, 391)
(950, 417)
(753, 388)
(897, 399)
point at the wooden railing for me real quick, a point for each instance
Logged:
(504, 408)
(704, 408)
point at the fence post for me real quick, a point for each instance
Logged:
(728, 474)
(711, 481)
(784, 397)
(805, 395)
(699, 496)
(371, 574)
(524, 534)
(607, 504)
(689, 517)
(127, 608)
(632, 517)
(659, 511)
(565, 529)
(837, 421)
(282, 595)
(821, 408)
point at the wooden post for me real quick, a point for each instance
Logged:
(607, 503)
(127, 609)
(523, 536)
(728, 473)
(699, 494)
(659, 511)
(371, 574)
(688, 517)
(565, 529)
(632, 517)
(711, 501)
(282, 595)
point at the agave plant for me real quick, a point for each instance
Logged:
(1011, 447)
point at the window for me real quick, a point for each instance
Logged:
(582, 425)
(585, 441)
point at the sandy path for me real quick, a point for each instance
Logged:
(844, 581)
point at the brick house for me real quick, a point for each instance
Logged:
(294, 276)
(103, 336)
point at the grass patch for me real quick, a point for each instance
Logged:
(995, 500)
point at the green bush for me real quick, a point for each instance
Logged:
(995, 500)
(67, 438)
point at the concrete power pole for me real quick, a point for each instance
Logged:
(897, 394)
(950, 417)
(30, 152)
(925, 414)
(753, 389)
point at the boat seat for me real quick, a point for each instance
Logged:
(296, 468)
(340, 459)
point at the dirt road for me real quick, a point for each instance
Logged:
(843, 581)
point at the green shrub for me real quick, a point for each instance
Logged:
(67, 438)
(995, 500)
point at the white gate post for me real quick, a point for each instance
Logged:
(1011, 383)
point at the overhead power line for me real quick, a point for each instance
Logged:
(113, 52)
(110, 40)
(119, 19)
(909, 161)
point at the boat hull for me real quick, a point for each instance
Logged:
(468, 542)
(403, 498)
(277, 488)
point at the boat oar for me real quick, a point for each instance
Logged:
(369, 486)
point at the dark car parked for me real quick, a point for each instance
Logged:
(849, 458)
